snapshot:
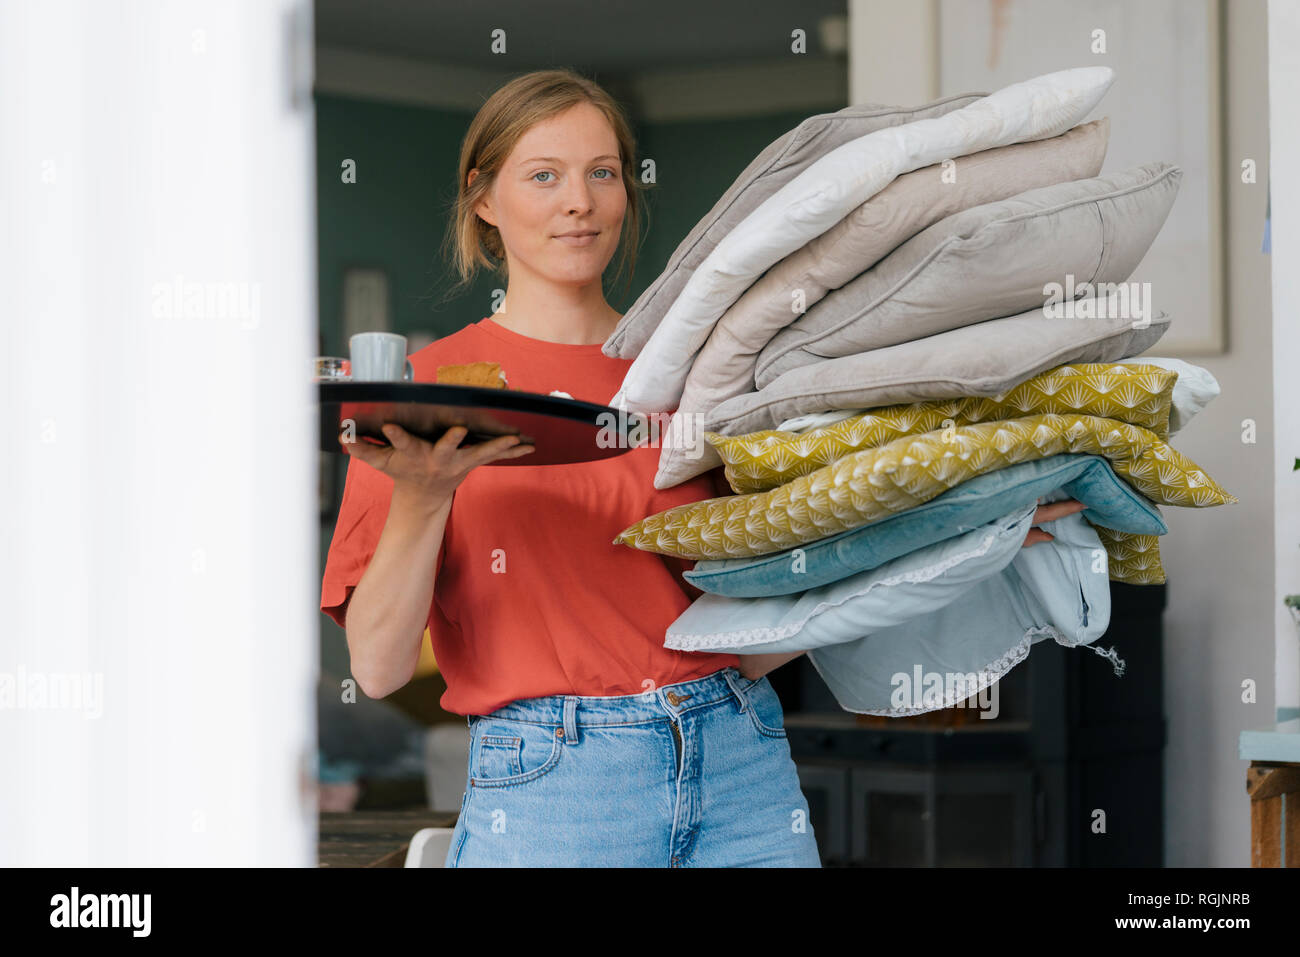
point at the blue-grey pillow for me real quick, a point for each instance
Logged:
(1112, 503)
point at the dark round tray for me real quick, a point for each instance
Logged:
(563, 430)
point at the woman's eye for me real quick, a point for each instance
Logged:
(604, 169)
(542, 173)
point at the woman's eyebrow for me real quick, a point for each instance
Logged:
(556, 159)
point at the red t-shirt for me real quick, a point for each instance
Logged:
(534, 598)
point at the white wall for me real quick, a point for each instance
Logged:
(1284, 78)
(159, 477)
(1219, 626)
(1222, 618)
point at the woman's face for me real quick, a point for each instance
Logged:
(563, 176)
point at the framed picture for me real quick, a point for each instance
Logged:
(1164, 106)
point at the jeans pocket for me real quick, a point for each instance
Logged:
(765, 709)
(506, 752)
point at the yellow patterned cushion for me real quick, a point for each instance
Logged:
(1132, 559)
(872, 483)
(1135, 393)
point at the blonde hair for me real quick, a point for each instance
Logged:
(472, 243)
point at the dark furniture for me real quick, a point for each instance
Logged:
(373, 838)
(1070, 773)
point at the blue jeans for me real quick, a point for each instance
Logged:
(692, 774)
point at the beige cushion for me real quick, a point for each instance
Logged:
(915, 200)
(989, 261)
(987, 358)
(780, 162)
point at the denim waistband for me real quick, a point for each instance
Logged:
(656, 704)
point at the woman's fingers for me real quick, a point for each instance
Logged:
(1049, 513)
(399, 438)
(448, 444)
(478, 452)
(450, 440)
(358, 448)
(505, 446)
(522, 449)
(1035, 536)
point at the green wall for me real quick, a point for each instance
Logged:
(395, 215)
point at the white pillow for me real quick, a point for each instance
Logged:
(829, 190)
(1193, 389)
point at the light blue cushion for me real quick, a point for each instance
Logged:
(1112, 503)
(846, 609)
(956, 615)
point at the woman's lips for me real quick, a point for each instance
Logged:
(586, 240)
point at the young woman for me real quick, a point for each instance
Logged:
(591, 744)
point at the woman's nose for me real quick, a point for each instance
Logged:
(578, 199)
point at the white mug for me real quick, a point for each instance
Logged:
(380, 357)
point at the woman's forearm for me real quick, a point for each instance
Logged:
(755, 666)
(389, 608)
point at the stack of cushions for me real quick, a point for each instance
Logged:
(806, 489)
(857, 331)
(908, 542)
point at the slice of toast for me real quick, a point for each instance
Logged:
(486, 375)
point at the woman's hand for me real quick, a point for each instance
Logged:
(431, 471)
(1049, 513)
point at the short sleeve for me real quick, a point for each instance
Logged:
(367, 493)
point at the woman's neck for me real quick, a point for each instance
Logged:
(570, 315)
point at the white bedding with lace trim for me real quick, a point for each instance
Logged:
(957, 615)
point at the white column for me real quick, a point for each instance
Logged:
(893, 52)
(159, 559)
(1284, 180)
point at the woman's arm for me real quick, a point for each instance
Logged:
(389, 608)
(755, 666)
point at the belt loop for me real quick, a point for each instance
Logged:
(730, 675)
(570, 719)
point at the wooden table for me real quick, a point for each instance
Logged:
(1273, 783)
(373, 838)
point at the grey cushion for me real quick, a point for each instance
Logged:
(987, 358)
(779, 163)
(985, 262)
